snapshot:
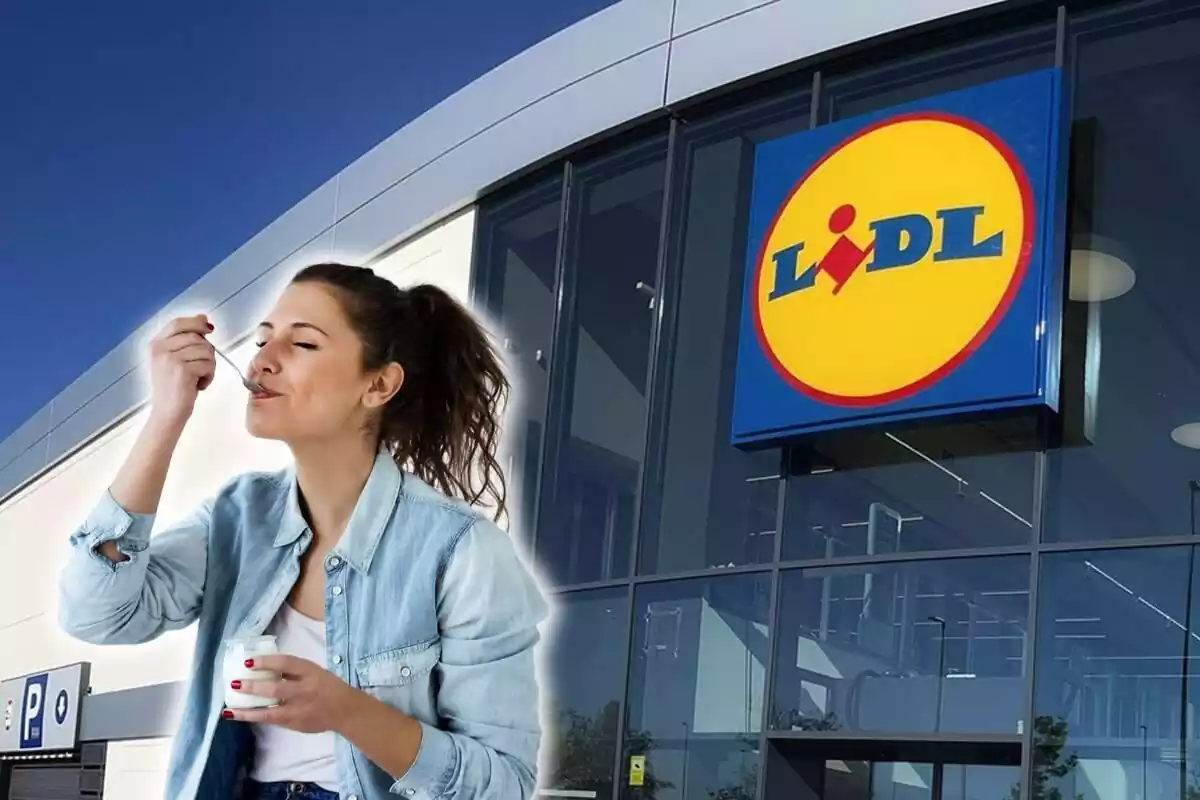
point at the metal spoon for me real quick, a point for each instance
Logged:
(249, 384)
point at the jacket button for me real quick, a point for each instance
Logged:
(406, 671)
(334, 561)
(337, 659)
(337, 590)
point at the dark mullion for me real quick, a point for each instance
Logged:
(559, 364)
(772, 628)
(655, 442)
(552, 363)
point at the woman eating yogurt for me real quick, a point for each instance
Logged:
(363, 631)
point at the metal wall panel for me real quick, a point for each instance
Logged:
(693, 14)
(23, 437)
(110, 405)
(32, 461)
(781, 32)
(104, 373)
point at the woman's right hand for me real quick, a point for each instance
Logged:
(182, 364)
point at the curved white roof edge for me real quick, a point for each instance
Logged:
(628, 61)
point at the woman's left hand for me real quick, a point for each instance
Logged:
(311, 699)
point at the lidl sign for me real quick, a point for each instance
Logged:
(903, 264)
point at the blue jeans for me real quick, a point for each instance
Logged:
(287, 791)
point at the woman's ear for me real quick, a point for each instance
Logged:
(384, 386)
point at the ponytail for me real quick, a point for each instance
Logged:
(444, 423)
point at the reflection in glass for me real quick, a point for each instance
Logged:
(585, 661)
(982, 782)
(914, 647)
(588, 512)
(1130, 373)
(1109, 676)
(716, 506)
(877, 780)
(696, 687)
(847, 780)
(936, 71)
(520, 251)
(901, 780)
(942, 488)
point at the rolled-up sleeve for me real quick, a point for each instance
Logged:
(158, 589)
(489, 610)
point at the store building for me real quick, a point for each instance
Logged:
(938, 605)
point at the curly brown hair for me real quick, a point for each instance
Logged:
(443, 424)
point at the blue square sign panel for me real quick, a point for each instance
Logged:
(904, 264)
(33, 711)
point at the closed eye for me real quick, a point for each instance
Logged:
(305, 345)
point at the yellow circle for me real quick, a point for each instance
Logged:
(889, 332)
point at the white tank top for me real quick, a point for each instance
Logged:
(282, 754)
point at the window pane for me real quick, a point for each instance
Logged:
(696, 686)
(713, 505)
(945, 488)
(939, 71)
(518, 273)
(587, 518)
(1110, 653)
(883, 780)
(901, 781)
(586, 662)
(884, 647)
(982, 782)
(1131, 374)
(877, 780)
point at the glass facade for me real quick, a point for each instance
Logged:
(997, 608)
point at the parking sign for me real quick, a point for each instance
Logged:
(33, 711)
(42, 710)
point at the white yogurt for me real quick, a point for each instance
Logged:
(233, 668)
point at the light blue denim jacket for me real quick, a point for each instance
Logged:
(427, 607)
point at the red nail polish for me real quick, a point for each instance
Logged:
(227, 714)
(249, 663)
(210, 326)
(235, 684)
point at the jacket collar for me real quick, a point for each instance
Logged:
(370, 518)
(293, 525)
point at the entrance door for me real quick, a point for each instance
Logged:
(811, 768)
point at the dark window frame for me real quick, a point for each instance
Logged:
(704, 581)
(688, 138)
(563, 356)
(486, 291)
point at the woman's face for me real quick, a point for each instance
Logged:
(310, 362)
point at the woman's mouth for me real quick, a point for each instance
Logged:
(264, 394)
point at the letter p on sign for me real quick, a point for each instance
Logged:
(33, 711)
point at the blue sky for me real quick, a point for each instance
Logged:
(142, 142)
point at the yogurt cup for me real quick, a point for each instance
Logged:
(233, 668)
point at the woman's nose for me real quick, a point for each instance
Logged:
(264, 361)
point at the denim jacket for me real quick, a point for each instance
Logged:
(428, 607)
